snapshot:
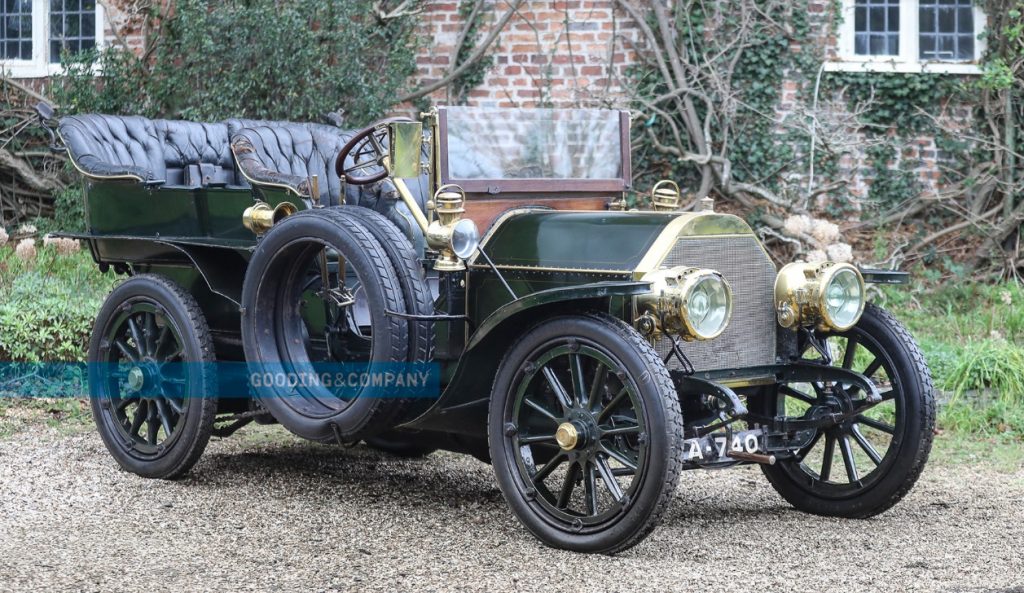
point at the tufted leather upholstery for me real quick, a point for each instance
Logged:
(186, 144)
(110, 146)
(290, 154)
(192, 154)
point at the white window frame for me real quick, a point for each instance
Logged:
(39, 66)
(907, 61)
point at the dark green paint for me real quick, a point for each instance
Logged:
(590, 240)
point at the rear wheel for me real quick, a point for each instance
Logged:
(585, 434)
(151, 377)
(864, 465)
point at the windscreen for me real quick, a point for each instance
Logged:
(533, 143)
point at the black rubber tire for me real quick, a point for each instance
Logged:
(662, 415)
(187, 443)
(415, 290)
(272, 272)
(400, 444)
(914, 441)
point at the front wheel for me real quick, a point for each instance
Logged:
(866, 464)
(585, 433)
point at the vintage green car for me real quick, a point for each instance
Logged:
(588, 351)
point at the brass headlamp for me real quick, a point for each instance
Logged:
(827, 295)
(692, 303)
(453, 237)
(259, 217)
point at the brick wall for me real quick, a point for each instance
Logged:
(566, 53)
(559, 53)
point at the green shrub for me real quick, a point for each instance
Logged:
(48, 304)
(255, 59)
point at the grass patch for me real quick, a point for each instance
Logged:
(971, 336)
(65, 414)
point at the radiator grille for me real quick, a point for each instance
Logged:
(750, 338)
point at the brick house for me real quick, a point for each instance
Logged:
(576, 52)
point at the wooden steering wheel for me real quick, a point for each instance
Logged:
(367, 149)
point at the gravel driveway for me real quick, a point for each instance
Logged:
(269, 512)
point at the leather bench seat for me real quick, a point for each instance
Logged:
(194, 154)
(232, 153)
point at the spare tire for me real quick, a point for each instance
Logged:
(289, 325)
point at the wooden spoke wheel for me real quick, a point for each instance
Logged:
(867, 463)
(151, 377)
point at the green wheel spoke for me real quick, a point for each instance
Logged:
(556, 386)
(596, 391)
(872, 368)
(133, 329)
(540, 409)
(826, 460)
(141, 411)
(568, 485)
(590, 489)
(876, 424)
(851, 350)
(608, 409)
(579, 388)
(609, 480)
(620, 430)
(787, 390)
(175, 405)
(848, 460)
(126, 350)
(536, 438)
(165, 419)
(868, 448)
(124, 403)
(620, 457)
(549, 467)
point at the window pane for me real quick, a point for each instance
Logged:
(946, 30)
(860, 44)
(965, 20)
(927, 46)
(965, 47)
(877, 18)
(877, 25)
(72, 27)
(926, 19)
(16, 30)
(879, 45)
(947, 20)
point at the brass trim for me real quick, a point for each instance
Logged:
(476, 266)
(676, 231)
(748, 381)
(256, 183)
(126, 176)
(567, 436)
(410, 203)
(800, 294)
(666, 304)
(260, 217)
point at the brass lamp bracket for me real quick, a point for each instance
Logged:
(665, 196)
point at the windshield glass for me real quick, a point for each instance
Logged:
(533, 143)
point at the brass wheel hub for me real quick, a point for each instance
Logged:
(567, 436)
(136, 379)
